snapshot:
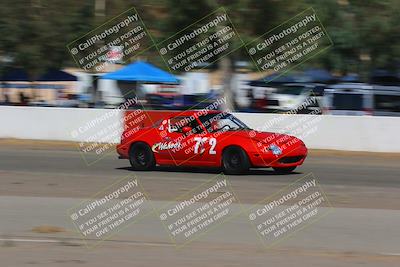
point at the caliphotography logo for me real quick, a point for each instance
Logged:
(199, 211)
(289, 210)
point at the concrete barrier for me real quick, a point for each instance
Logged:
(350, 133)
(52, 123)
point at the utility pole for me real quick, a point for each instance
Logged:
(100, 8)
(99, 13)
(225, 65)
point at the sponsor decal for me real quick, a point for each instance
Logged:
(165, 146)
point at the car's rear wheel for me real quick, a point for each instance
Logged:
(284, 170)
(235, 161)
(141, 157)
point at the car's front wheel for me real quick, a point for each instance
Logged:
(235, 161)
(141, 157)
(284, 170)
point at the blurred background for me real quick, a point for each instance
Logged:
(358, 75)
(52, 112)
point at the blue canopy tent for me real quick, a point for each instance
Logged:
(318, 76)
(20, 75)
(279, 78)
(138, 72)
(15, 75)
(141, 72)
(276, 78)
(384, 77)
(16, 78)
(350, 78)
(13, 78)
(44, 81)
(307, 76)
(57, 76)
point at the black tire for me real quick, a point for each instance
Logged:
(235, 161)
(284, 170)
(141, 157)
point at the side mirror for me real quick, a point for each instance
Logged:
(186, 129)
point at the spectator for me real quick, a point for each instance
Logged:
(23, 100)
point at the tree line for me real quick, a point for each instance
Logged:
(365, 33)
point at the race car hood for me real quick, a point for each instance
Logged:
(266, 137)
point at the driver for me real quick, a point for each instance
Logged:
(214, 126)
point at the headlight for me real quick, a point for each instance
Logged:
(275, 150)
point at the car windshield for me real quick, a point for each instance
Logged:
(222, 122)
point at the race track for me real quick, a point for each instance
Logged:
(38, 184)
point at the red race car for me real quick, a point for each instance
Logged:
(209, 139)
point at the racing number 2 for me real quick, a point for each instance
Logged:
(200, 141)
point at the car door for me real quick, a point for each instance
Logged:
(204, 143)
(168, 148)
(195, 144)
(204, 149)
(176, 144)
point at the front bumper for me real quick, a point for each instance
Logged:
(289, 157)
(123, 151)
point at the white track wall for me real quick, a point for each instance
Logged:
(350, 133)
(50, 123)
(376, 134)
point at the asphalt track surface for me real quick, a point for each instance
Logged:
(39, 183)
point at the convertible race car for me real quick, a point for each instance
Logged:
(209, 139)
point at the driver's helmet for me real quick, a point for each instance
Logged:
(214, 126)
(163, 125)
